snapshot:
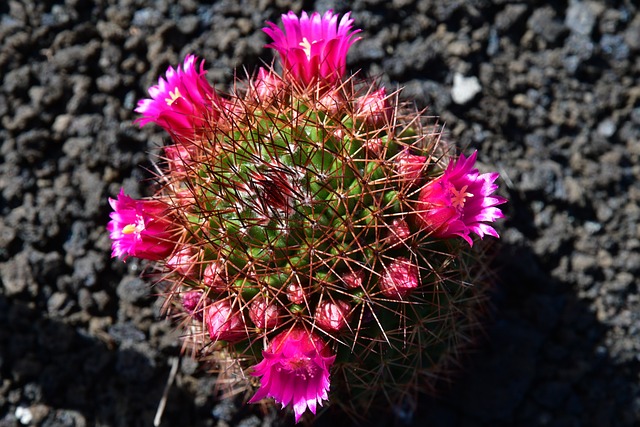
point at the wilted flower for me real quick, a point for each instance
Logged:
(295, 370)
(460, 202)
(399, 278)
(139, 228)
(183, 104)
(224, 322)
(313, 48)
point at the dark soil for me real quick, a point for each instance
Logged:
(549, 93)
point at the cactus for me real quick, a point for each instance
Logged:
(315, 230)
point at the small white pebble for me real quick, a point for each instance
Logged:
(24, 415)
(464, 88)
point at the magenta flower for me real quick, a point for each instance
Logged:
(295, 370)
(399, 279)
(182, 104)
(460, 202)
(140, 228)
(313, 48)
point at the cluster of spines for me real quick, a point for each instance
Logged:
(316, 217)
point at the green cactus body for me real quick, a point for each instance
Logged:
(298, 197)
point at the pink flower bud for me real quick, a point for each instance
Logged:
(398, 232)
(399, 279)
(332, 316)
(409, 166)
(295, 293)
(212, 277)
(182, 262)
(373, 108)
(224, 323)
(353, 279)
(330, 102)
(266, 86)
(194, 302)
(179, 157)
(374, 145)
(265, 315)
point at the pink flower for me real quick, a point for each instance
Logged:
(399, 279)
(264, 314)
(224, 323)
(313, 48)
(295, 370)
(140, 228)
(332, 316)
(182, 104)
(459, 202)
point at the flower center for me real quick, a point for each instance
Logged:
(459, 197)
(301, 367)
(136, 228)
(173, 97)
(306, 46)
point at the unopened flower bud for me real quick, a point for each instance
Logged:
(223, 322)
(264, 314)
(295, 293)
(212, 277)
(399, 279)
(409, 166)
(182, 262)
(373, 108)
(193, 303)
(332, 315)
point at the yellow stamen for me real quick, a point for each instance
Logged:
(137, 227)
(173, 97)
(458, 198)
(129, 229)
